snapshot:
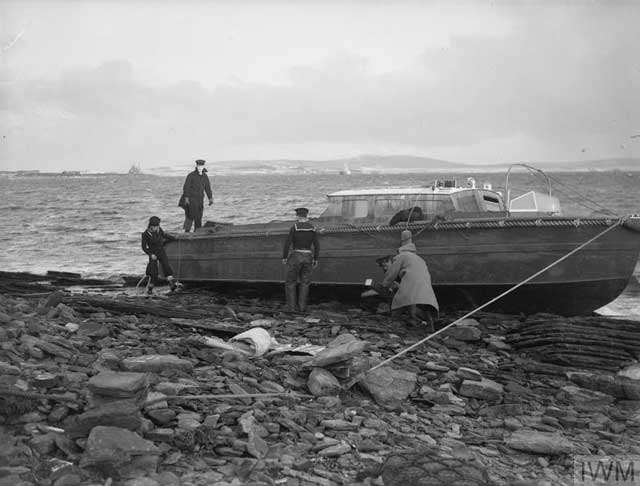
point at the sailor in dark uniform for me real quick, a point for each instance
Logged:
(153, 241)
(302, 258)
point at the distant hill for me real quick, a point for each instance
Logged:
(359, 163)
(390, 163)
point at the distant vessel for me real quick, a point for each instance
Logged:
(477, 244)
(135, 169)
(346, 170)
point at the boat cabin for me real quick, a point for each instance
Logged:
(441, 200)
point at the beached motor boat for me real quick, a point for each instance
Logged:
(477, 242)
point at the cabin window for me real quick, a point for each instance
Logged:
(491, 202)
(361, 209)
(467, 202)
(389, 205)
(333, 209)
(354, 208)
(430, 205)
(436, 205)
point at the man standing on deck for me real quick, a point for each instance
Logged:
(195, 186)
(302, 236)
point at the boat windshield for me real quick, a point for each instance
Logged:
(382, 208)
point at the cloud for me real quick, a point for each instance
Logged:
(561, 80)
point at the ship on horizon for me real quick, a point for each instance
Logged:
(135, 169)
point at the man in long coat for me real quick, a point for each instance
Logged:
(195, 186)
(415, 282)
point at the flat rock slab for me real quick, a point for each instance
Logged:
(465, 330)
(532, 441)
(338, 353)
(484, 389)
(121, 413)
(584, 399)
(468, 374)
(116, 445)
(428, 468)
(388, 386)
(156, 363)
(119, 385)
(93, 329)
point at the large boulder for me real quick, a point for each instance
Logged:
(119, 452)
(388, 386)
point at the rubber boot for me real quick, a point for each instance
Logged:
(290, 293)
(303, 295)
(187, 225)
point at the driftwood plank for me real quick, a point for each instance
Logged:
(125, 307)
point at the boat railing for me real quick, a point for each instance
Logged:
(531, 169)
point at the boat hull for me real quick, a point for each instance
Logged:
(470, 262)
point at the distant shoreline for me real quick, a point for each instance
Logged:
(304, 172)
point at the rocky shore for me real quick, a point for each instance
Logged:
(115, 389)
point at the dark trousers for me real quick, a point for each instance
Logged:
(193, 215)
(299, 268)
(152, 267)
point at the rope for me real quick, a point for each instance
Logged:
(179, 259)
(142, 280)
(440, 331)
(596, 205)
(370, 229)
(226, 396)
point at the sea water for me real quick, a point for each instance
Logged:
(92, 224)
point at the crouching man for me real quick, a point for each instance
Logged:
(415, 292)
(153, 241)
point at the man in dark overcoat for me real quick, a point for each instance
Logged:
(195, 186)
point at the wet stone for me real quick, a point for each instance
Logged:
(428, 468)
(468, 374)
(156, 363)
(189, 420)
(118, 384)
(93, 329)
(389, 386)
(485, 389)
(120, 452)
(124, 414)
(321, 382)
(465, 331)
(162, 416)
(532, 441)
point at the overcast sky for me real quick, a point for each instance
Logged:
(97, 85)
